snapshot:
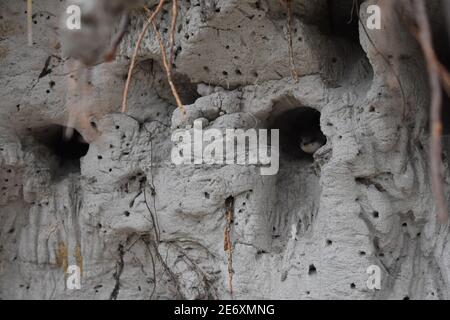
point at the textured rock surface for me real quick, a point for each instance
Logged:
(140, 227)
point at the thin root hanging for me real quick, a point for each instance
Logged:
(167, 62)
(228, 245)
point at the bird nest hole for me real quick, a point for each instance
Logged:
(66, 146)
(299, 128)
(298, 188)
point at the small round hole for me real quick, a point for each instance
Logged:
(312, 270)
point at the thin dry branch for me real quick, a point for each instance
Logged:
(228, 246)
(172, 32)
(163, 262)
(424, 37)
(167, 67)
(198, 270)
(135, 53)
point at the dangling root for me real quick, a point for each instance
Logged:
(135, 53)
(167, 62)
(168, 68)
(228, 245)
(172, 32)
(437, 75)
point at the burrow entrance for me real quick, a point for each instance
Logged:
(300, 133)
(67, 148)
(298, 189)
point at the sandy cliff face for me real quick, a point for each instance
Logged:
(140, 227)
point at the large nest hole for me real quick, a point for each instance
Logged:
(68, 149)
(300, 133)
(297, 181)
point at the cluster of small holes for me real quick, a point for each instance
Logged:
(7, 180)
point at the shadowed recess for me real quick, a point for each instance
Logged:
(68, 151)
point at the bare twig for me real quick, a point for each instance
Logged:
(167, 67)
(228, 245)
(153, 217)
(135, 53)
(172, 32)
(424, 37)
(152, 258)
(189, 261)
(153, 214)
(167, 269)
